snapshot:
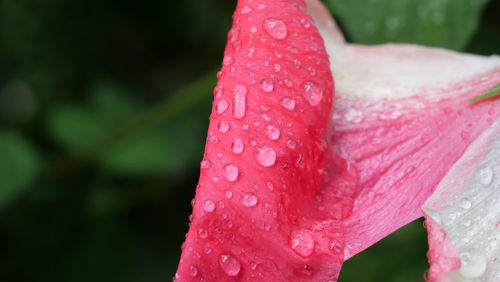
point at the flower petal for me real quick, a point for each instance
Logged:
(466, 207)
(401, 118)
(257, 214)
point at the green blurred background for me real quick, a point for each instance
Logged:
(104, 108)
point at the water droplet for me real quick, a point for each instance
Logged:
(234, 34)
(465, 135)
(237, 147)
(212, 138)
(202, 233)
(249, 200)
(302, 243)
(473, 265)
(246, 10)
(272, 132)
(240, 100)
(229, 264)
(291, 144)
(275, 28)
(227, 61)
(231, 172)
(354, 116)
(288, 103)
(312, 93)
(253, 265)
(228, 194)
(251, 50)
(267, 85)
(270, 186)
(223, 126)
(486, 176)
(221, 107)
(205, 164)
(265, 156)
(465, 203)
(193, 270)
(209, 206)
(305, 23)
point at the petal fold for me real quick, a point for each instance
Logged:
(258, 214)
(465, 208)
(400, 118)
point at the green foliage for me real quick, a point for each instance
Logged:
(19, 165)
(443, 23)
(492, 92)
(396, 258)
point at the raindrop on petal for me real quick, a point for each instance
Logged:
(291, 144)
(193, 270)
(221, 106)
(231, 172)
(237, 146)
(209, 206)
(272, 132)
(265, 156)
(229, 264)
(353, 115)
(202, 233)
(275, 28)
(249, 200)
(223, 126)
(205, 164)
(465, 203)
(267, 85)
(288, 103)
(472, 265)
(312, 93)
(246, 10)
(227, 61)
(486, 176)
(302, 243)
(240, 100)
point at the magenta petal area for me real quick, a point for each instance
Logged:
(262, 211)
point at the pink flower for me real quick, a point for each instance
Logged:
(295, 180)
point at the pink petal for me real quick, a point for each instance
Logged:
(273, 202)
(257, 215)
(466, 209)
(401, 118)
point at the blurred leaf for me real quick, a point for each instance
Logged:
(74, 127)
(18, 103)
(444, 23)
(493, 91)
(19, 165)
(113, 102)
(169, 148)
(399, 257)
(141, 155)
(124, 139)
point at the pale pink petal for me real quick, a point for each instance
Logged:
(401, 119)
(466, 205)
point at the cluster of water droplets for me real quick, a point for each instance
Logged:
(236, 113)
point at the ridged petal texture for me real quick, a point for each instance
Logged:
(401, 117)
(292, 184)
(257, 214)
